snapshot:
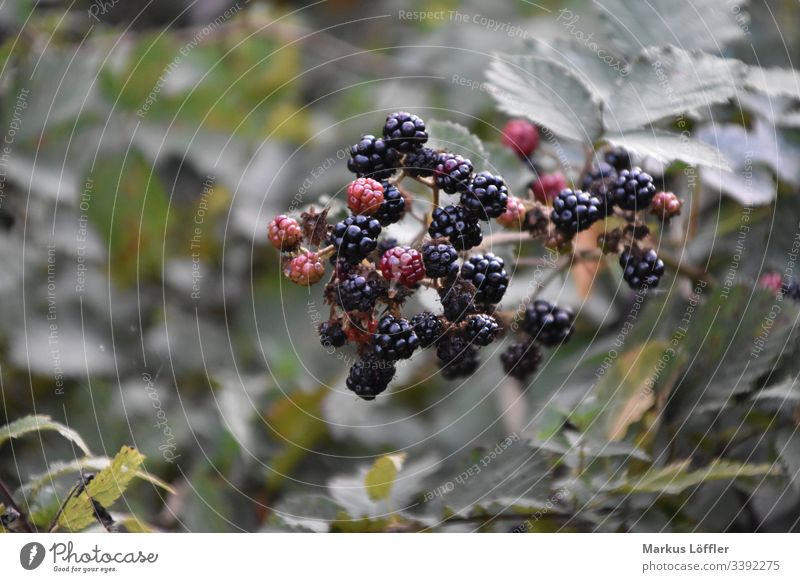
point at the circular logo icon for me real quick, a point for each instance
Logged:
(31, 555)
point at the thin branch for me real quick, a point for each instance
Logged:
(22, 515)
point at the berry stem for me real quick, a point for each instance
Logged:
(22, 515)
(397, 179)
(326, 252)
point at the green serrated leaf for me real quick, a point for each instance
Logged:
(668, 147)
(706, 25)
(107, 486)
(547, 93)
(450, 136)
(35, 423)
(665, 82)
(676, 477)
(380, 479)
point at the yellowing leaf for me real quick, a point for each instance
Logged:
(40, 422)
(107, 486)
(379, 480)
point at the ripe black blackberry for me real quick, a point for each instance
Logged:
(489, 276)
(373, 157)
(393, 207)
(428, 328)
(633, 190)
(456, 224)
(602, 173)
(420, 163)
(457, 356)
(547, 324)
(355, 237)
(453, 172)
(404, 131)
(440, 259)
(618, 158)
(458, 299)
(481, 329)
(641, 269)
(332, 334)
(394, 339)
(370, 376)
(520, 360)
(574, 211)
(486, 196)
(358, 292)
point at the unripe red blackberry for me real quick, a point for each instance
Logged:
(403, 265)
(364, 196)
(514, 215)
(665, 205)
(771, 281)
(521, 136)
(547, 186)
(304, 269)
(284, 233)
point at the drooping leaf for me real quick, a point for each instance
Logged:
(677, 477)
(455, 137)
(706, 25)
(547, 93)
(33, 423)
(668, 147)
(380, 479)
(106, 487)
(666, 82)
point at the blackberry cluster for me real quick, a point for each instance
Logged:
(633, 190)
(404, 131)
(355, 237)
(457, 356)
(520, 360)
(357, 293)
(641, 269)
(481, 329)
(486, 196)
(456, 224)
(395, 339)
(576, 211)
(421, 163)
(453, 173)
(332, 334)
(374, 158)
(393, 207)
(547, 324)
(487, 273)
(440, 260)
(428, 328)
(370, 376)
